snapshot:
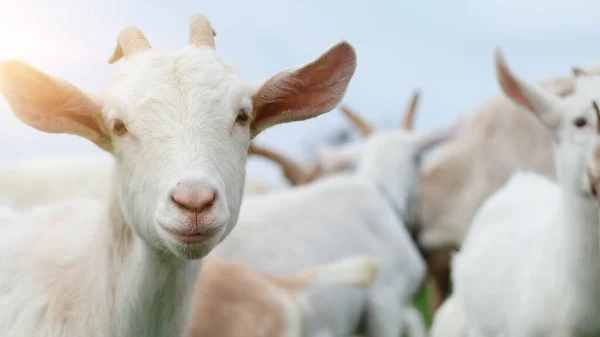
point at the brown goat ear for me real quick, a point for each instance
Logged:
(306, 92)
(52, 105)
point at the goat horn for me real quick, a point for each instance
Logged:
(409, 116)
(201, 32)
(130, 41)
(292, 171)
(359, 124)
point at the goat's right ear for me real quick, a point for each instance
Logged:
(542, 103)
(51, 105)
(339, 157)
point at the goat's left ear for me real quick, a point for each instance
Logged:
(304, 93)
(545, 105)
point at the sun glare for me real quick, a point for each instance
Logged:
(30, 37)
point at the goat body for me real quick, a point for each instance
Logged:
(322, 222)
(545, 280)
(500, 140)
(236, 301)
(529, 264)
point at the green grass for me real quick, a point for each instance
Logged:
(421, 302)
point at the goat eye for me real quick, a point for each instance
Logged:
(243, 117)
(580, 122)
(593, 191)
(119, 127)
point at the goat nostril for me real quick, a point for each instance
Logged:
(193, 202)
(176, 202)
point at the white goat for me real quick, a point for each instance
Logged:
(438, 261)
(367, 131)
(342, 215)
(178, 125)
(529, 263)
(235, 301)
(499, 140)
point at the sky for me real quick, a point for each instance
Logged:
(444, 48)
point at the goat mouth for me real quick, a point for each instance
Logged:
(192, 236)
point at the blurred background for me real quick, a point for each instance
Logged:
(444, 48)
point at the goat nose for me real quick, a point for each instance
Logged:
(193, 200)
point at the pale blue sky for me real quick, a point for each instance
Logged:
(443, 47)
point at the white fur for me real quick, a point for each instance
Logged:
(354, 273)
(529, 264)
(342, 215)
(448, 320)
(81, 267)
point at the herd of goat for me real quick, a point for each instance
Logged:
(154, 240)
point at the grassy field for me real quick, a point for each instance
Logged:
(422, 303)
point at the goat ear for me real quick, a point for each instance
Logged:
(51, 105)
(542, 103)
(307, 92)
(577, 72)
(428, 139)
(339, 157)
